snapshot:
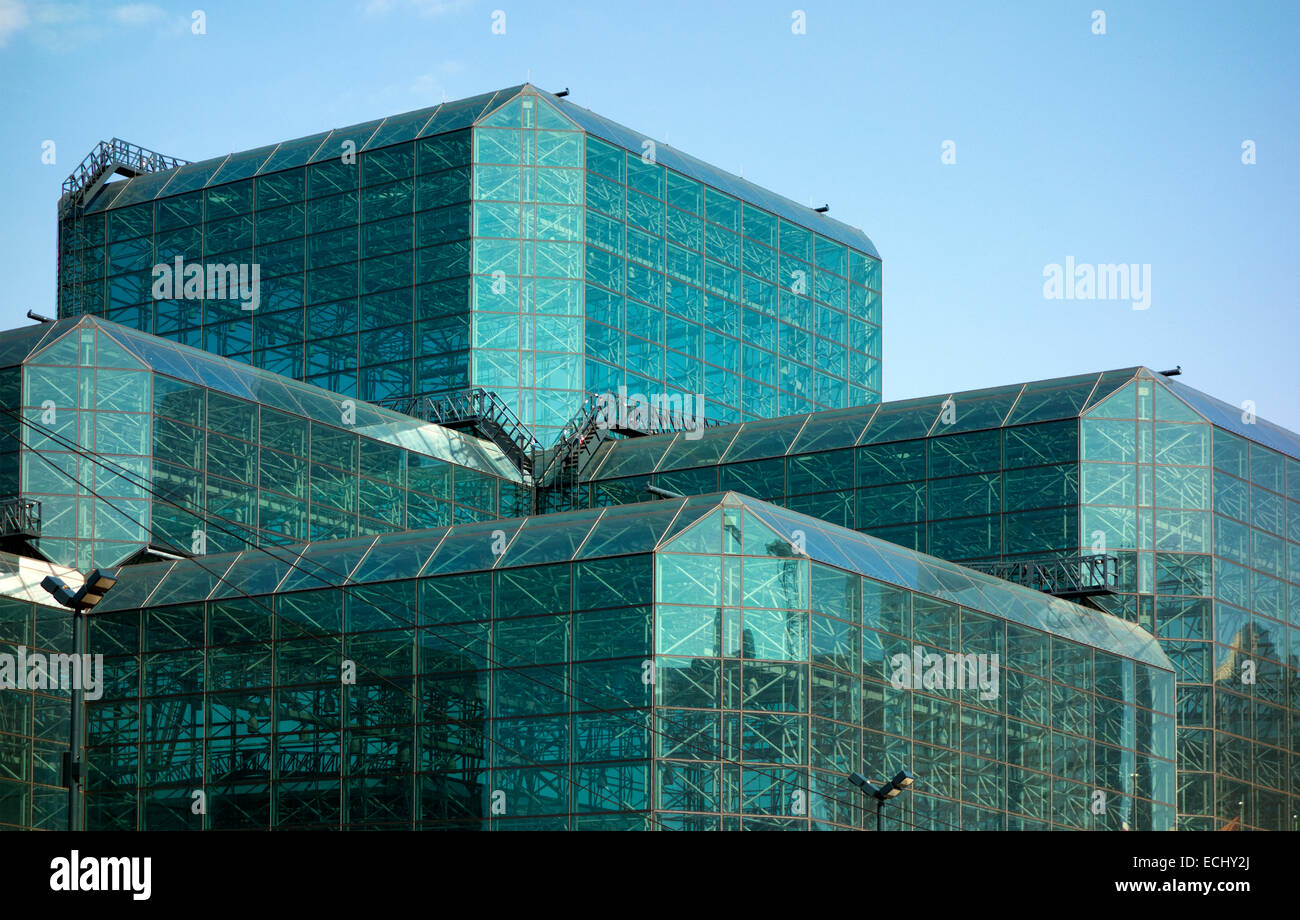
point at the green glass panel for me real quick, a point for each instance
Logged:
(1183, 444)
(1122, 404)
(1231, 454)
(1115, 441)
(901, 421)
(966, 453)
(1052, 399)
(629, 529)
(1169, 408)
(976, 410)
(292, 154)
(890, 463)
(688, 579)
(831, 429)
(614, 582)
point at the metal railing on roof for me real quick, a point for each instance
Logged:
(114, 156)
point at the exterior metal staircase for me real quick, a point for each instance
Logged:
(582, 434)
(560, 479)
(554, 472)
(479, 411)
(115, 157)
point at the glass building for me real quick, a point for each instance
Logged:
(131, 443)
(512, 241)
(1198, 501)
(702, 663)
(335, 614)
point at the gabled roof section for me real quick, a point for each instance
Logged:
(17, 344)
(781, 529)
(879, 423)
(1176, 401)
(452, 116)
(700, 524)
(506, 112)
(121, 346)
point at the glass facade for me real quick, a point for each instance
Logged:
(1199, 506)
(694, 291)
(360, 236)
(512, 241)
(1207, 527)
(667, 666)
(129, 441)
(528, 269)
(34, 717)
(964, 476)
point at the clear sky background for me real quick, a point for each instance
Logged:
(1122, 147)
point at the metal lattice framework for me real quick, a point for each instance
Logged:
(1062, 576)
(20, 517)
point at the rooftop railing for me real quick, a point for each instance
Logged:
(114, 156)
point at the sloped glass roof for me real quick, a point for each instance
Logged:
(383, 132)
(1220, 413)
(20, 577)
(1018, 404)
(906, 568)
(254, 384)
(723, 181)
(674, 525)
(17, 344)
(452, 116)
(879, 423)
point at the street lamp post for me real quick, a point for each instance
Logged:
(83, 599)
(901, 781)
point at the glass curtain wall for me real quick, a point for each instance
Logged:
(658, 666)
(34, 718)
(124, 452)
(1207, 527)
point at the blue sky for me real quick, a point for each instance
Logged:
(1123, 147)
